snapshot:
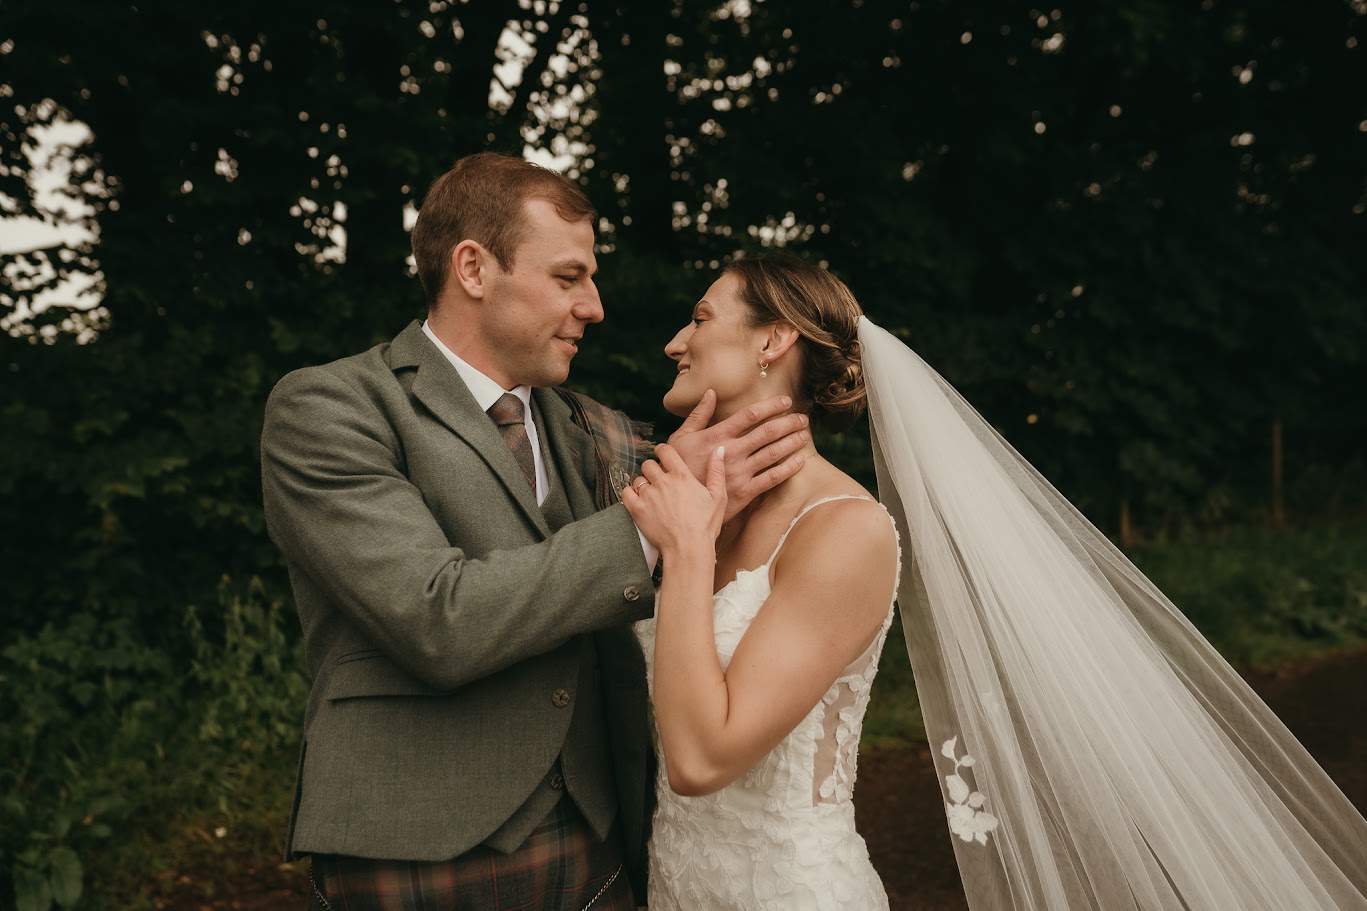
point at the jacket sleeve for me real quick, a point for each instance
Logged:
(343, 512)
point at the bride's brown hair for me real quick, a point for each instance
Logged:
(779, 288)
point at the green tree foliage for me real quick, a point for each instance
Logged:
(1128, 234)
(106, 734)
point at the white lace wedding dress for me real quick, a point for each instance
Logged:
(782, 836)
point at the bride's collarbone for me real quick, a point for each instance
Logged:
(751, 547)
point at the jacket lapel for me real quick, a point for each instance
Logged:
(573, 451)
(441, 391)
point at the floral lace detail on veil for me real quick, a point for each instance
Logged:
(966, 818)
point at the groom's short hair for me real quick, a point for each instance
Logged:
(481, 199)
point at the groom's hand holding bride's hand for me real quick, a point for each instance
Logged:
(676, 513)
(761, 443)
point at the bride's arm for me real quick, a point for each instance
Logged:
(832, 587)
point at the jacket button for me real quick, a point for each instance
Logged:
(560, 698)
(631, 593)
(557, 781)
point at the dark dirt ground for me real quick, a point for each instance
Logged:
(901, 814)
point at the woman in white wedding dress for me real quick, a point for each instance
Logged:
(768, 630)
(1095, 751)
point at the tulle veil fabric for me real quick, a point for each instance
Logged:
(1094, 750)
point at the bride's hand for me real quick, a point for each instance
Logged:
(671, 508)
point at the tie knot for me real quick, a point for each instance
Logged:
(507, 410)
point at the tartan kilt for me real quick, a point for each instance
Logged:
(561, 866)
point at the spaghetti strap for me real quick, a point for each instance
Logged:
(809, 508)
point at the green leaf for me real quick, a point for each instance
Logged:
(31, 890)
(107, 803)
(14, 807)
(66, 876)
(61, 823)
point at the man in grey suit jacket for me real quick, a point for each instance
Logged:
(476, 735)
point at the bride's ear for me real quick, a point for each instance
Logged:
(779, 337)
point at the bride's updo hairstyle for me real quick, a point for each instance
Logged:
(779, 288)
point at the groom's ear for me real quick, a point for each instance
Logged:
(778, 339)
(470, 265)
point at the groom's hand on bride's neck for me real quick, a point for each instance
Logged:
(763, 444)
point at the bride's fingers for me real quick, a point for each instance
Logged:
(652, 471)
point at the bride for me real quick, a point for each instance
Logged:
(768, 629)
(1095, 750)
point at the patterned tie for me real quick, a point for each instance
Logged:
(508, 414)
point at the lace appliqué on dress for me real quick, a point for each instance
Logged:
(782, 837)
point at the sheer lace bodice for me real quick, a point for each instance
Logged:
(781, 836)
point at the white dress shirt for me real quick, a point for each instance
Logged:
(486, 392)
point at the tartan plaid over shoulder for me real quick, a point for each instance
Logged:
(622, 444)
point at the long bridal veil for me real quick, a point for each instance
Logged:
(1094, 750)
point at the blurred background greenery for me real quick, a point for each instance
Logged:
(1130, 234)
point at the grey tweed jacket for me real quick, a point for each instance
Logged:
(460, 638)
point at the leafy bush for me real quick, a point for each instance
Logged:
(107, 734)
(84, 702)
(1264, 596)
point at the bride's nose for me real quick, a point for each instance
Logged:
(676, 347)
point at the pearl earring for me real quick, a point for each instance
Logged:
(763, 368)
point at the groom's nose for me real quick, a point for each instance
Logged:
(590, 307)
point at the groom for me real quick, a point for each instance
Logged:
(476, 734)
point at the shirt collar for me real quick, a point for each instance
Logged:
(485, 390)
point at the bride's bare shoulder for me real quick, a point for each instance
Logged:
(840, 520)
(846, 545)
